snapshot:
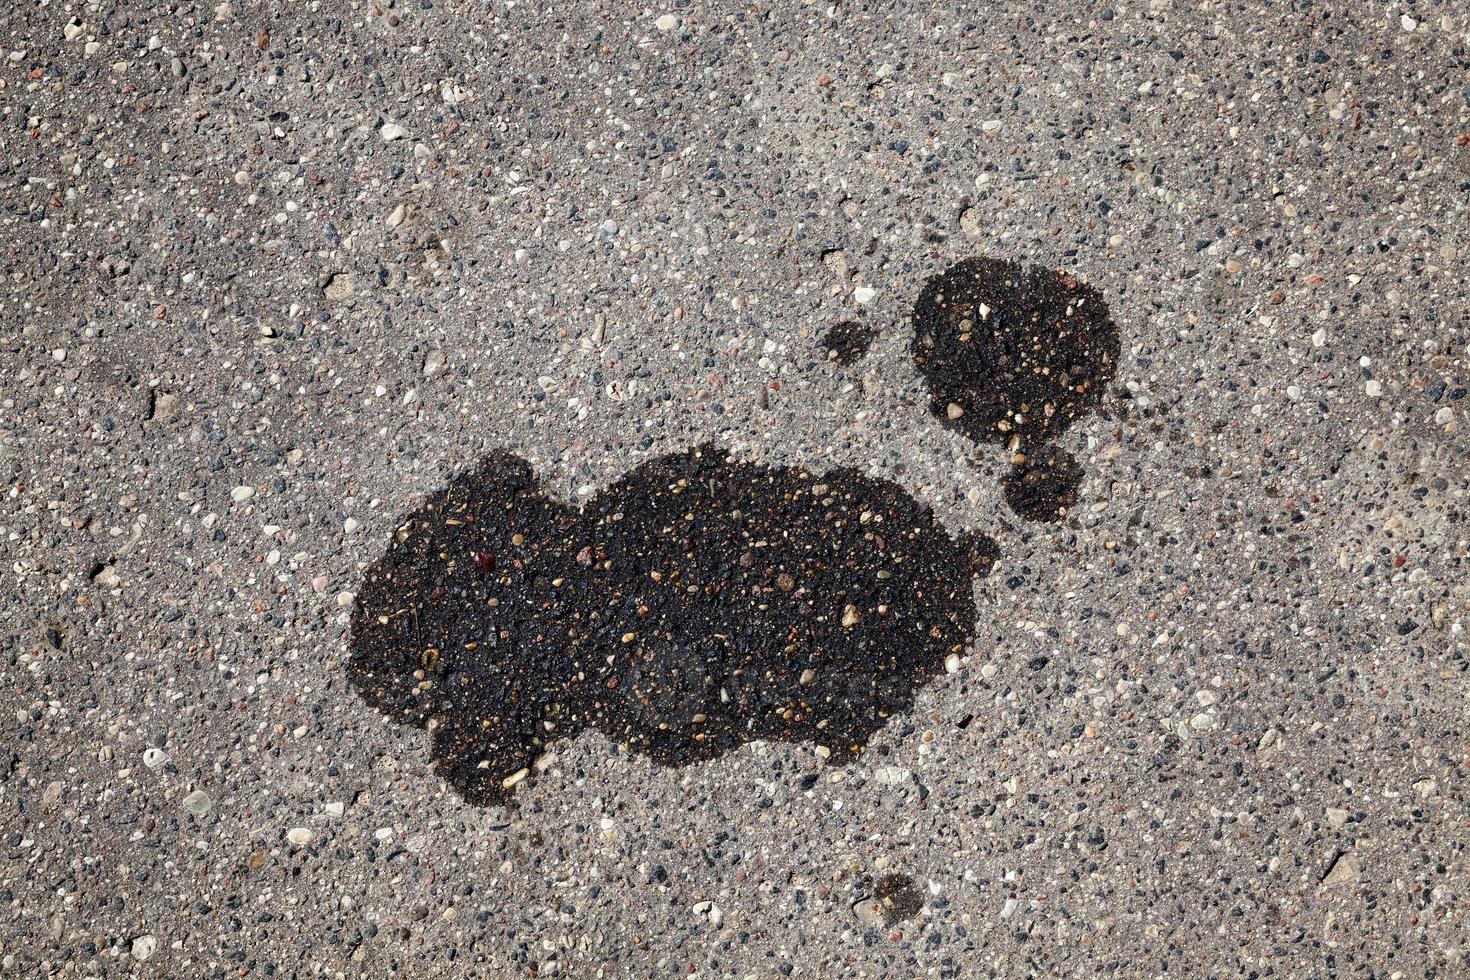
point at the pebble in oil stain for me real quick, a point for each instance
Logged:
(696, 604)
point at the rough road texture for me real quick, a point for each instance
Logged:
(274, 273)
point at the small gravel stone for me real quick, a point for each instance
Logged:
(198, 802)
(143, 947)
(869, 912)
(1344, 871)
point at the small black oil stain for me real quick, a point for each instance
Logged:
(1013, 356)
(898, 898)
(848, 342)
(1043, 486)
(696, 604)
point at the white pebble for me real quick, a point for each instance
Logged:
(351, 524)
(667, 22)
(990, 126)
(198, 803)
(300, 836)
(1408, 23)
(241, 494)
(391, 132)
(864, 294)
(144, 947)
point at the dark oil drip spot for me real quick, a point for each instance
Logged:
(1045, 485)
(696, 604)
(899, 897)
(1012, 356)
(848, 342)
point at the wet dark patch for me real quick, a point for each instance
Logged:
(899, 897)
(694, 605)
(848, 342)
(1044, 485)
(1013, 356)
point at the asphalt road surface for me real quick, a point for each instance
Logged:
(823, 490)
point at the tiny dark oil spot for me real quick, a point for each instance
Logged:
(1012, 356)
(848, 342)
(696, 604)
(1044, 486)
(899, 897)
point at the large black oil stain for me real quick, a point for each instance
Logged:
(1013, 356)
(694, 605)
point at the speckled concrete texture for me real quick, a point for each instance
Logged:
(273, 273)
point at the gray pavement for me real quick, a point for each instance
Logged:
(273, 274)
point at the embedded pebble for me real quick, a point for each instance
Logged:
(198, 802)
(144, 947)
